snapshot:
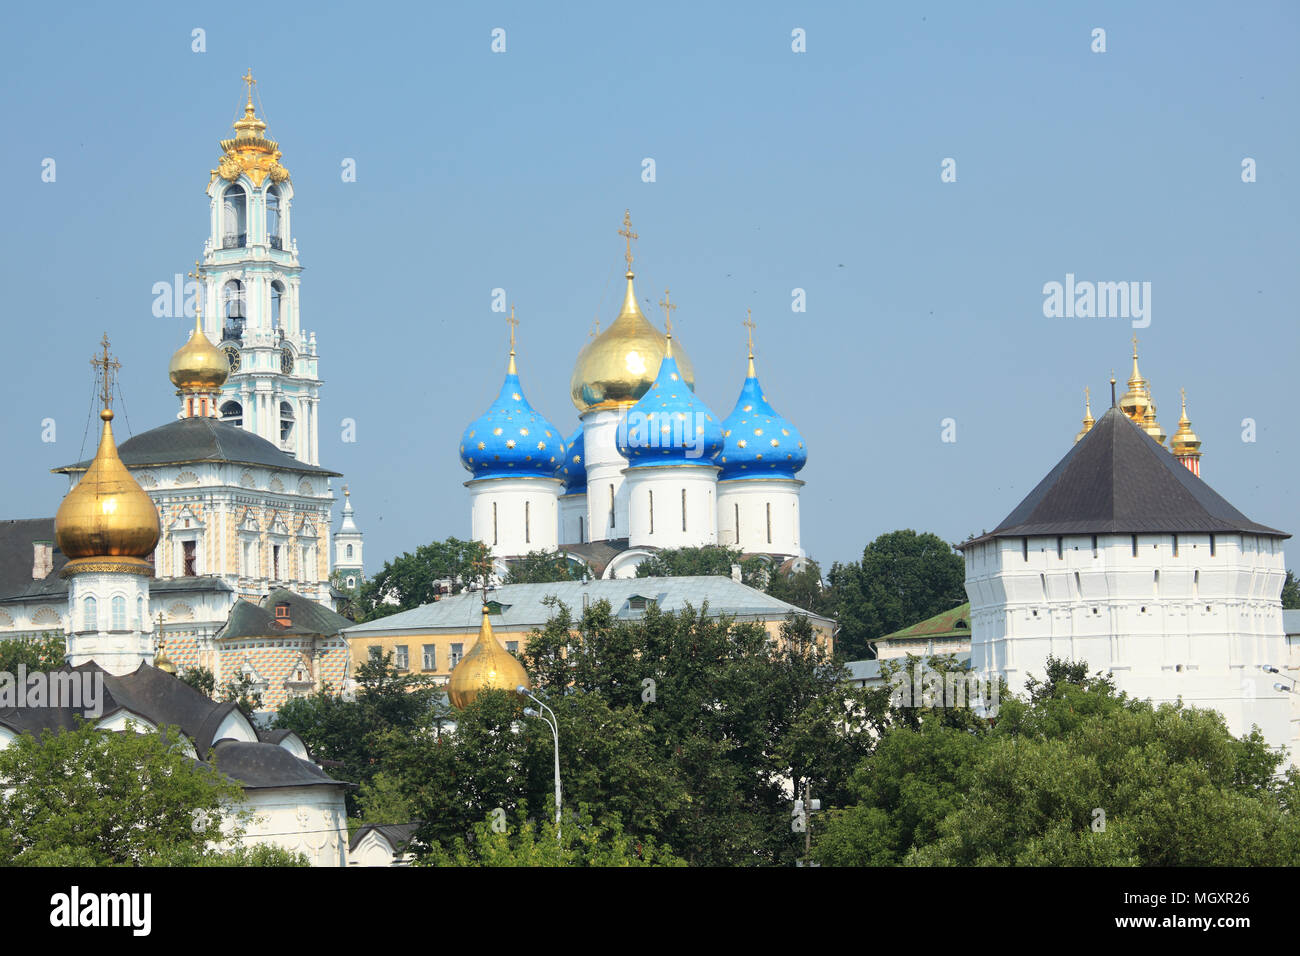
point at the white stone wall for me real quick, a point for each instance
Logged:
(310, 820)
(760, 515)
(573, 519)
(672, 506)
(1194, 625)
(513, 516)
(605, 468)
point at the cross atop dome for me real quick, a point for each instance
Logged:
(627, 233)
(105, 365)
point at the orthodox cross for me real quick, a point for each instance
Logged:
(248, 79)
(105, 365)
(513, 323)
(668, 307)
(197, 276)
(627, 233)
(749, 329)
(1087, 397)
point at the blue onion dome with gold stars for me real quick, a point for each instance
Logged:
(512, 439)
(669, 425)
(574, 470)
(759, 443)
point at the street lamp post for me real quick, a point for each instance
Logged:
(554, 724)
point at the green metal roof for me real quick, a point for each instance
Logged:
(951, 623)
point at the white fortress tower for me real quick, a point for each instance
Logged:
(250, 266)
(514, 455)
(1126, 559)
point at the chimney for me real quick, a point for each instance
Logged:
(42, 559)
(735, 573)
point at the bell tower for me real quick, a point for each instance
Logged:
(250, 269)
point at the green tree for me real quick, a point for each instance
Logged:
(1290, 593)
(201, 679)
(713, 559)
(582, 841)
(803, 588)
(903, 577)
(414, 579)
(106, 799)
(45, 653)
(349, 733)
(348, 598)
(543, 567)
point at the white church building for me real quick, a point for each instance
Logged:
(650, 466)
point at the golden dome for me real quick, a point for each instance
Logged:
(1088, 420)
(619, 365)
(488, 666)
(249, 152)
(198, 365)
(1185, 443)
(107, 515)
(162, 661)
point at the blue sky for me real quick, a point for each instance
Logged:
(774, 171)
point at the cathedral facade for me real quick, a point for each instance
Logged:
(649, 467)
(244, 506)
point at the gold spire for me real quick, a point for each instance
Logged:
(666, 304)
(619, 366)
(107, 515)
(1088, 420)
(513, 323)
(1134, 402)
(749, 332)
(488, 666)
(160, 658)
(198, 367)
(249, 152)
(1185, 443)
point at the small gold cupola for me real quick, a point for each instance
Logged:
(1088, 420)
(617, 367)
(198, 369)
(488, 666)
(1134, 402)
(107, 517)
(1186, 444)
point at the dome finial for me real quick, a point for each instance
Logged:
(666, 304)
(749, 332)
(513, 323)
(1088, 420)
(627, 233)
(105, 365)
(1186, 444)
(198, 368)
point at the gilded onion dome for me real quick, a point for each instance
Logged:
(107, 515)
(1185, 443)
(759, 443)
(249, 152)
(669, 425)
(198, 366)
(511, 439)
(574, 469)
(488, 666)
(1088, 420)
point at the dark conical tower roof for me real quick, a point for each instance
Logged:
(1116, 479)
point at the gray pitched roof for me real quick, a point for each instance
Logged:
(54, 586)
(524, 607)
(189, 440)
(1117, 479)
(162, 698)
(305, 617)
(17, 554)
(396, 834)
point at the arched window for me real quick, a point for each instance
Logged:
(277, 297)
(234, 218)
(349, 552)
(286, 422)
(119, 613)
(139, 613)
(232, 413)
(273, 217)
(232, 303)
(89, 615)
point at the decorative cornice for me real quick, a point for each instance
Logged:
(107, 565)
